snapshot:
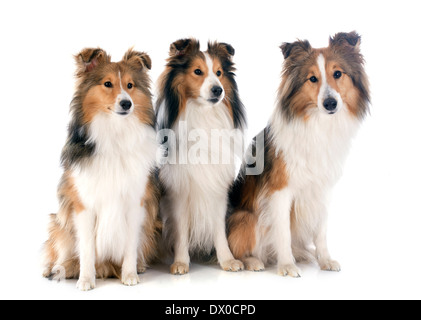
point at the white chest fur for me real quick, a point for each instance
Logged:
(314, 150)
(112, 184)
(204, 152)
(197, 186)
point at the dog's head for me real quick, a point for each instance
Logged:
(120, 89)
(328, 80)
(202, 76)
(205, 77)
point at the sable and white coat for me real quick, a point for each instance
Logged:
(107, 223)
(198, 98)
(281, 215)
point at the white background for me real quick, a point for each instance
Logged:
(376, 210)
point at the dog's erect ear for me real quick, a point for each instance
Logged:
(228, 48)
(184, 47)
(350, 40)
(296, 48)
(221, 49)
(138, 59)
(88, 59)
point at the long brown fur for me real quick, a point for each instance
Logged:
(296, 102)
(60, 256)
(63, 236)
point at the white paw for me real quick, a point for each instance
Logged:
(85, 284)
(57, 273)
(141, 269)
(131, 279)
(330, 265)
(254, 264)
(289, 270)
(179, 268)
(232, 265)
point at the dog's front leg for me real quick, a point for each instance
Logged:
(85, 231)
(279, 209)
(320, 241)
(135, 218)
(181, 233)
(225, 257)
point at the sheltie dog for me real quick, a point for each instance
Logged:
(198, 97)
(107, 224)
(281, 215)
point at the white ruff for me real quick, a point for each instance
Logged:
(112, 184)
(314, 152)
(199, 190)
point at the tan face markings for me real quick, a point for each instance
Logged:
(127, 84)
(199, 79)
(117, 85)
(193, 80)
(308, 97)
(322, 81)
(339, 81)
(226, 85)
(102, 97)
(332, 70)
(143, 108)
(329, 100)
(217, 68)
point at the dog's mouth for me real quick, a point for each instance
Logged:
(120, 113)
(214, 100)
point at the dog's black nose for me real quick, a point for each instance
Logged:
(330, 104)
(217, 91)
(126, 104)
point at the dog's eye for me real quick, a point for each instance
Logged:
(198, 72)
(130, 86)
(337, 75)
(314, 79)
(108, 84)
(218, 73)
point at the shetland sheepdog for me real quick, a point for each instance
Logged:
(281, 215)
(107, 223)
(198, 97)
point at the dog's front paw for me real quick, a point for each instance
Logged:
(85, 284)
(289, 270)
(57, 273)
(330, 265)
(131, 279)
(232, 265)
(141, 269)
(179, 268)
(254, 264)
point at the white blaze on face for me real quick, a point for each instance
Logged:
(123, 96)
(210, 82)
(326, 91)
